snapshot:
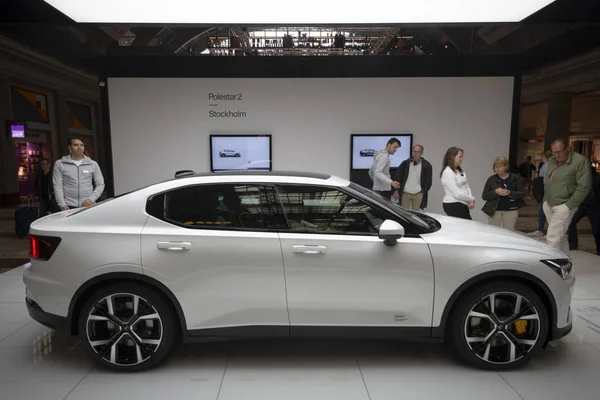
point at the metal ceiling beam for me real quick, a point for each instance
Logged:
(383, 41)
(242, 33)
(579, 74)
(200, 39)
(144, 35)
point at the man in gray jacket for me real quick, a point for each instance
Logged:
(380, 170)
(75, 176)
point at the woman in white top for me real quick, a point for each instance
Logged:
(458, 199)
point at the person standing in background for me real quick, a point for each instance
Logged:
(537, 188)
(44, 189)
(75, 177)
(458, 199)
(526, 170)
(591, 208)
(567, 183)
(415, 176)
(504, 195)
(380, 170)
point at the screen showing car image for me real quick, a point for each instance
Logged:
(365, 146)
(230, 153)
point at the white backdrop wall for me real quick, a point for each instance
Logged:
(160, 125)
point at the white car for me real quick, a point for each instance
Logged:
(229, 153)
(251, 254)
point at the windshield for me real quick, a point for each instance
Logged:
(418, 218)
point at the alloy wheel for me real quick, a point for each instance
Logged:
(502, 328)
(124, 329)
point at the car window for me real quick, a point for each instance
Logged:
(420, 221)
(214, 207)
(316, 209)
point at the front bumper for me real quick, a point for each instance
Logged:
(62, 324)
(559, 333)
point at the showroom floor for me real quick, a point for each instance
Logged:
(38, 363)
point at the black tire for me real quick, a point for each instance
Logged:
(166, 323)
(458, 325)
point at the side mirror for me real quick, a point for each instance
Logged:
(390, 231)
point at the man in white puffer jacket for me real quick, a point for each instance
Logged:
(75, 176)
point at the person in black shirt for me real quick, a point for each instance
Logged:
(526, 170)
(44, 189)
(504, 194)
(591, 208)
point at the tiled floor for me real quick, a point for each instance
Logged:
(38, 363)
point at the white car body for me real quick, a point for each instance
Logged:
(244, 283)
(229, 153)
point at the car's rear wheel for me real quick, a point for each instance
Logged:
(499, 325)
(127, 327)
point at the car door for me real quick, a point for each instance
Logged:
(209, 246)
(339, 273)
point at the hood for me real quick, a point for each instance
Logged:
(466, 232)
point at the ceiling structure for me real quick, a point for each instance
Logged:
(563, 28)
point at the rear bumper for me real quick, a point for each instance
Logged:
(62, 324)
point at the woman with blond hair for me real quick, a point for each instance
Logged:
(458, 200)
(504, 194)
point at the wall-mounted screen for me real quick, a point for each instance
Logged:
(364, 147)
(240, 152)
(17, 130)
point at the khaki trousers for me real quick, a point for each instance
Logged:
(505, 219)
(559, 218)
(412, 201)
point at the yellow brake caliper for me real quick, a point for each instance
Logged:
(521, 326)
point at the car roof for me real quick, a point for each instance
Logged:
(186, 177)
(294, 174)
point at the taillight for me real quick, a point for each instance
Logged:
(42, 247)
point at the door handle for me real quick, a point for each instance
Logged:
(309, 249)
(173, 246)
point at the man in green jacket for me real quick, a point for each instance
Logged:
(567, 183)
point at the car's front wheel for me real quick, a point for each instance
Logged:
(499, 325)
(127, 327)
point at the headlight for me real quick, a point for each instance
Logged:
(562, 266)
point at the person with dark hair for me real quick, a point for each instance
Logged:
(591, 208)
(458, 199)
(526, 170)
(44, 189)
(567, 183)
(380, 170)
(78, 181)
(415, 178)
